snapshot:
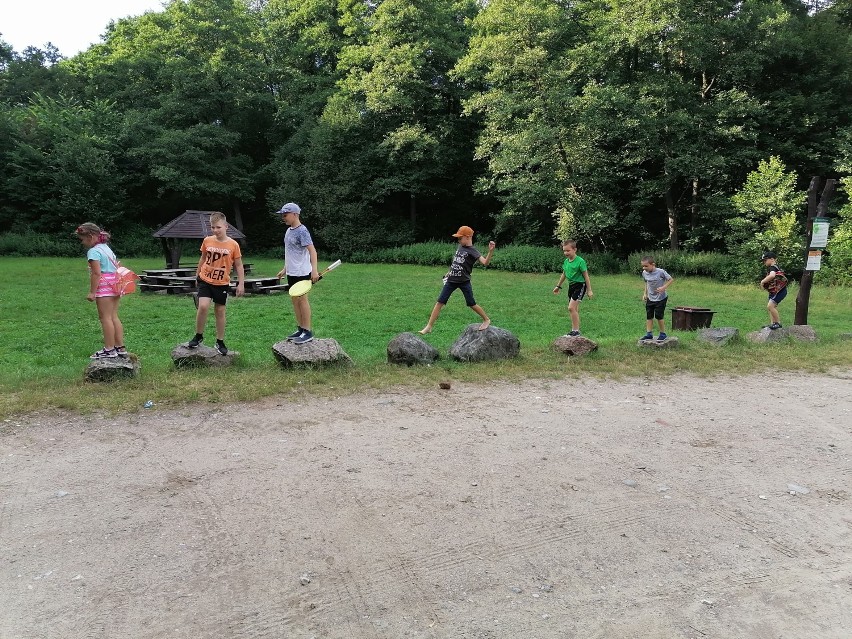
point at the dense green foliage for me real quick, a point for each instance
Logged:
(631, 125)
(50, 329)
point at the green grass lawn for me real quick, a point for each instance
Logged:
(49, 329)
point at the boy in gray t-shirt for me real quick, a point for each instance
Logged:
(655, 297)
(459, 277)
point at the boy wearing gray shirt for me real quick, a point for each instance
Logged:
(655, 297)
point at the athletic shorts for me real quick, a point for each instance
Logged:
(292, 279)
(576, 291)
(107, 285)
(465, 287)
(778, 296)
(656, 310)
(219, 294)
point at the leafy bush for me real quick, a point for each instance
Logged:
(706, 264)
(38, 245)
(133, 241)
(513, 257)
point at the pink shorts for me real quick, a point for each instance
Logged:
(107, 285)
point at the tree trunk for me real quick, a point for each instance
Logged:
(672, 213)
(238, 215)
(693, 209)
(412, 211)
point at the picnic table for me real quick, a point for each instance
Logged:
(182, 281)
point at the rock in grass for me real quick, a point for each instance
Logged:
(491, 344)
(717, 336)
(202, 356)
(114, 368)
(669, 342)
(574, 346)
(409, 349)
(319, 352)
(803, 333)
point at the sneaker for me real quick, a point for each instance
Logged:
(104, 353)
(662, 337)
(774, 326)
(121, 351)
(646, 337)
(293, 336)
(304, 337)
(573, 333)
(195, 341)
(220, 346)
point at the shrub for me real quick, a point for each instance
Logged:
(706, 264)
(38, 245)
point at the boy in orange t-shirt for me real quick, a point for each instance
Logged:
(219, 254)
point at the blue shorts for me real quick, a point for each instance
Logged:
(466, 289)
(778, 296)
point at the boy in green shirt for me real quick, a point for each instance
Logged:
(574, 270)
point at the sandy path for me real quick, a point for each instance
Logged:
(549, 509)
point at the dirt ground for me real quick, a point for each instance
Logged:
(569, 509)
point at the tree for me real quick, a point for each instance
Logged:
(192, 83)
(768, 206)
(60, 169)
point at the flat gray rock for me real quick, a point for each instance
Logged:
(409, 349)
(491, 344)
(803, 333)
(845, 336)
(319, 352)
(114, 368)
(185, 357)
(574, 346)
(669, 342)
(717, 336)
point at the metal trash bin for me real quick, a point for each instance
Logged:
(690, 318)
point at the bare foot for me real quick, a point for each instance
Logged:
(485, 325)
(425, 330)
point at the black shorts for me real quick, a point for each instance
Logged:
(219, 294)
(576, 290)
(465, 287)
(656, 310)
(292, 279)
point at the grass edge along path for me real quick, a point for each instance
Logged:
(49, 331)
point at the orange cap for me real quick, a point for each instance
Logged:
(464, 231)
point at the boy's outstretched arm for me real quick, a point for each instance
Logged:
(485, 261)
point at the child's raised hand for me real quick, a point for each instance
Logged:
(492, 245)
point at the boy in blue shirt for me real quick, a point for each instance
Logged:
(655, 297)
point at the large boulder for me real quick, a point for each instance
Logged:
(669, 342)
(185, 357)
(319, 352)
(410, 349)
(574, 346)
(803, 333)
(493, 343)
(717, 336)
(114, 368)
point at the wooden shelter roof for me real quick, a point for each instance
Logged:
(193, 225)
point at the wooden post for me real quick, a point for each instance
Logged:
(814, 210)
